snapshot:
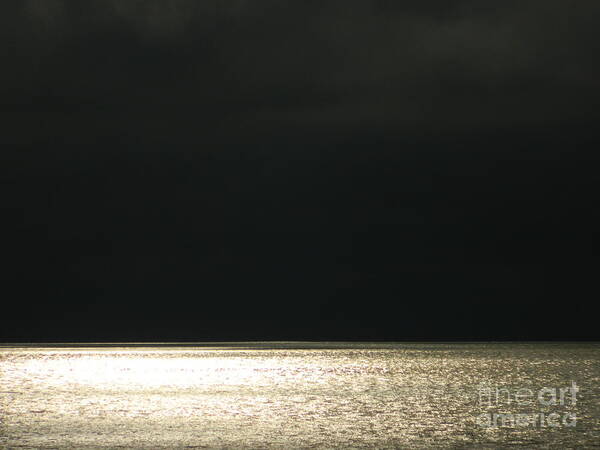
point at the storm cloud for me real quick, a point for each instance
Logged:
(337, 168)
(456, 66)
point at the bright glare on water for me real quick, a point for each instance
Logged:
(301, 395)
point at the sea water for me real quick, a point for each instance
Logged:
(300, 395)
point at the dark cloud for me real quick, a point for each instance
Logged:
(418, 154)
(434, 66)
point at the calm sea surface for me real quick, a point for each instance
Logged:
(291, 395)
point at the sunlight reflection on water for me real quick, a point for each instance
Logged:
(354, 395)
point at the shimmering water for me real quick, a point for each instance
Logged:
(299, 395)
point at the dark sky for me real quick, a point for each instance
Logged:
(187, 170)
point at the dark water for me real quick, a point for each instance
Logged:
(292, 395)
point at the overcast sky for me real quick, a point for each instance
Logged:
(330, 161)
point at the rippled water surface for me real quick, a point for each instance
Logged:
(301, 395)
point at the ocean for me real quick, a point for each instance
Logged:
(301, 395)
